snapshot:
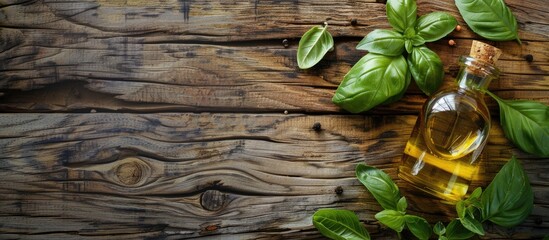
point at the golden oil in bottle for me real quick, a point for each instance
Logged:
(441, 156)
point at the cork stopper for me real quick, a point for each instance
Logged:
(485, 52)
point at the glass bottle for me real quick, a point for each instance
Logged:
(441, 156)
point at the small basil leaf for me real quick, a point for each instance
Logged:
(386, 42)
(460, 209)
(426, 68)
(491, 19)
(380, 185)
(526, 124)
(373, 80)
(439, 228)
(401, 14)
(435, 25)
(314, 44)
(402, 205)
(508, 199)
(408, 45)
(476, 193)
(392, 219)
(417, 41)
(339, 224)
(418, 226)
(472, 224)
(442, 238)
(456, 231)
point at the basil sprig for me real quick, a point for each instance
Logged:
(507, 201)
(356, 91)
(491, 19)
(314, 44)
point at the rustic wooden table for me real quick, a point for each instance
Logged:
(182, 119)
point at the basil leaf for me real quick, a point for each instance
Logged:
(442, 238)
(314, 44)
(397, 97)
(461, 209)
(408, 46)
(435, 25)
(372, 80)
(339, 224)
(426, 68)
(475, 194)
(402, 204)
(473, 225)
(392, 219)
(508, 199)
(439, 228)
(526, 124)
(456, 231)
(417, 40)
(491, 19)
(401, 14)
(380, 185)
(381, 41)
(418, 226)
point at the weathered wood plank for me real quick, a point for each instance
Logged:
(225, 21)
(219, 78)
(206, 56)
(189, 175)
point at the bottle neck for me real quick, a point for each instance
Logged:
(475, 75)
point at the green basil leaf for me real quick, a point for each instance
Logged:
(426, 68)
(314, 44)
(473, 225)
(408, 45)
(442, 238)
(402, 204)
(397, 97)
(417, 41)
(418, 226)
(491, 19)
(381, 41)
(373, 80)
(401, 14)
(526, 124)
(339, 224)
(475, 194)
(508, 199)
(456, 231)
(435, 25)
(461, 209)
(380, 185)
(392, 219)
(439, 228)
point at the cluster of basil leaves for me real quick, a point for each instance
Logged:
(394, 56)
(507, 201)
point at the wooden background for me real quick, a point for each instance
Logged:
(163, 119)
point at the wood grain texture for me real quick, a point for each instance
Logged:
(178, 175)
(207, 56)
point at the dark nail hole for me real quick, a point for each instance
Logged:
(286, 43)
(339, 190)
(354, 22)
(317, 127)
(529, 57)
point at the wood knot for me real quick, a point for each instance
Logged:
(129, 173)
(213, 200)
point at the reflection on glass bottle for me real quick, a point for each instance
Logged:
(441, 156)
